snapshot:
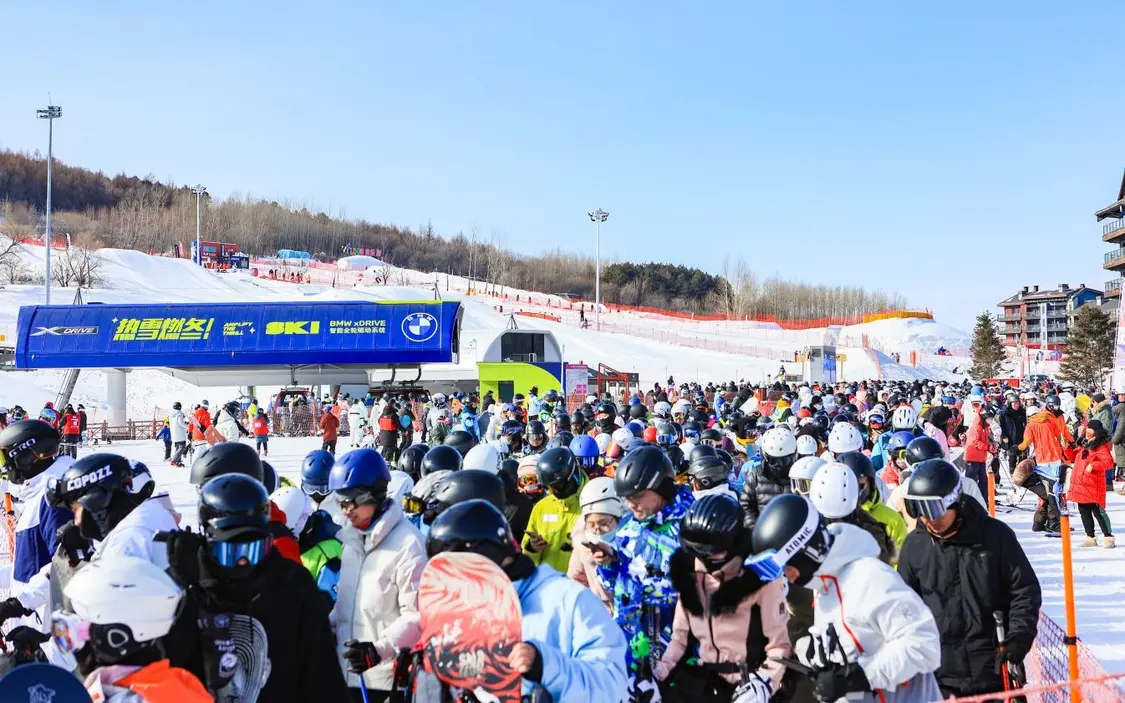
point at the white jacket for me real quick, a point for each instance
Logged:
(133, 535)
(178, 425)
(887, 630)
(378, 592)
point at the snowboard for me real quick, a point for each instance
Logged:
(42, 683)
(213, 436)
(470, 623)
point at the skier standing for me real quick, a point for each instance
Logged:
(178, 425)
(546, 539)
(771, 479)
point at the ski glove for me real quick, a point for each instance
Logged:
(837, 682)
(12, 608)
(185, 550)
(755, 690)
(76, 547)
(26, 645)
(813, 649)
(361, 656)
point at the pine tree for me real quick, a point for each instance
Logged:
(987, 350)
(1089, 348)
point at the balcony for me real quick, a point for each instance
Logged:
(1113, 231)
(1113, 288)
(1115, 260)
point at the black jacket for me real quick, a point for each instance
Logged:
(517, 508)
(963, 580)
(888, 550)
(298, 640)
(1012, 424)
(761, 487)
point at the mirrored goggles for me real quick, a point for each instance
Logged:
(413, 505)
(768, 565)
(235, 554)
(315, 489)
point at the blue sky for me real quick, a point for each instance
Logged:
(951, 151)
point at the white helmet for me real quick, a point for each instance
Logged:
(844, 437)
(400, 486)
(424, 489)
(296, 505)
(600, 496)
(122, 590)
(807, 445)
(904, 417)
(834, 491)
(777, 442)
(603, 441)
(662, 409)
(802, 472)
(142, 477)
(439, 400)
(484, 457)
(620, 436)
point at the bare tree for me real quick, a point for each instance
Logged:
(78, 267)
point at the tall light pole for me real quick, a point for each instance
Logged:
(598, 216)
(199, 191)
(51, 113)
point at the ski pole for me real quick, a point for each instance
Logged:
(1011, 672)
(363, 688)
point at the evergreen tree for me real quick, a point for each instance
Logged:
(988, 349)
(1089, 348)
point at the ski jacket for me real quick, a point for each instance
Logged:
(964, 579)
(202, 422)
(553, 519)
(892, 521)
(72, 424)
(760, 488)
(1012, 424)
(882, 624)
(261, 427)
(329, 427)
(378, 593)
(284, 541)
(721, 489)
(133, 536)
(35, 535)
(734, 618)
(1087, 479)
(357, 416)
(229, 426)
(978, 442)
(888, 550)
(158, 682)
(164, 435)
(582, 649)
(1103, 413)
(1047, 433)
(932, 430)
(322, 552)
(1118, 427)
(879, 458)
(582, 567)
(638, 577)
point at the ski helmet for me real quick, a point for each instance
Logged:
(807, 445)
(708, 471)
(835, 490)
(711, 436)
(362, 476)
(473, 526)
(296, 505)
(269, 477)
(699, 451)
(713, 525)
(933, 488)
(645, 468)
(460, 486)
(143, 484)
(789, 532)
(27, 449)
(779, 451)
(558, 470)
(585, 450)
(864, 471)
(315, 468)
(578, 421)
(638, 412)
(177, 406)
(410, 461)
(128, 601)
(509, 470)
(100, 484)
(227, 458)
(536, 433)
(904, 418)
(483, 457)
(562, 420)
(844, 437)
(600, 496)
(802, 472)
(725, 457)
(667, 433)
(441, 458)
(662, 409)
(461, 440)
(563, 438)
(922, 448)
(231, 507)
(692, 430)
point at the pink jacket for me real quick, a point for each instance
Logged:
(583, 569)
(717, 612)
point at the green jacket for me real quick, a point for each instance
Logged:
(896, 526)
(323, 562)
(553, 519)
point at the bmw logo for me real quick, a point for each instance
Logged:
(419, 326)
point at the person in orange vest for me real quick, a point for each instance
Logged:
(329, 430)
(260, 427)
(202, 420)
(71, 431)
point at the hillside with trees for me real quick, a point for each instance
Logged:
(129, 212)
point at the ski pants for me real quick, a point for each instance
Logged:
(977, 471)
(1091, 512)
(1047, 513)
(178, 453)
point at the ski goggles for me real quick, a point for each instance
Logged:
(587, 461)
(801, 486)
(876, 422)
(930, 507)
(413, 505)
(529, 483)
(350, 499)
(768, 565)
(236, 554)
(665, 440)
(691, 434)
(314, 489)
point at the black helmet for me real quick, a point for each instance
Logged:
(692, 429)
(27, 449)
(461, 440)
(410, 461)
(861, 466)
(725, 456)
(638, 412)
(923, 448)
(460, 486)
(714, 524)
(699, 451)
(709, 471)
(676, 456)
(473, 526)
(511, 427)
(711, 434)
(791, 527)
(232, 407)
(933, 487)
(269, 477)
(577, 420)
(536, 432)
(441, 458)
(510, 469)
(558, 471)
(232, 505)
(646, 468)
(100, 483)
(1053, 402)
(667, 433)
(177, 405)
(562, 421)
(562, 439)
(227, 458)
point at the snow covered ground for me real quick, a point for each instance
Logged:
(1099, 573)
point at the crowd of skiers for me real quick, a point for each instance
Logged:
(718, 543)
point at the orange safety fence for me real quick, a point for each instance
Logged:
(539, 315)
(1102, 689)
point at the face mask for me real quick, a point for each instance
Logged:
(89, 528)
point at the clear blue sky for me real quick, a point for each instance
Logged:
(951, 151)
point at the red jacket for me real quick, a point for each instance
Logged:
(330, 424)
(260, 426)
(977, 442)
(203, 420)
(1047, 433)
(283, 540)
(1087, 478)
(72, 424)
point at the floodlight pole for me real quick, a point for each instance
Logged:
(598, 216)
(51, 113)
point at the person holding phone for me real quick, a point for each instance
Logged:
(601, 511)
(547, 538)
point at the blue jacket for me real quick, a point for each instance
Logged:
(165, 434)
(470, 423)
(36, 541)
(582, 649)
(639, 581)
(879, 456)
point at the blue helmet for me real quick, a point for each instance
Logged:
(899, 440)
(315, 470)
(636, 428)
(585, 449)
(361, 468)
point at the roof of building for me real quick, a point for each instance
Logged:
(1118, 208)
(1046, 295)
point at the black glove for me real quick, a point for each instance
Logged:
(1009, 653)
(12, 608)
(26, 642)
(837, 682)
(76, 547)
(184, 550)
(361, 656)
